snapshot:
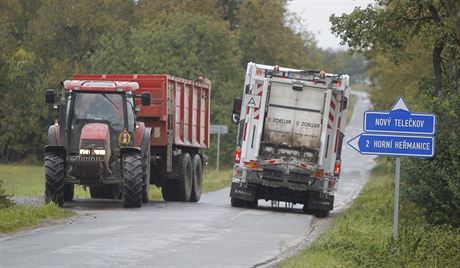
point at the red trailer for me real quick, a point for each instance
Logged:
(179, 118)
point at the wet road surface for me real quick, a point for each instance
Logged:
(206, 234)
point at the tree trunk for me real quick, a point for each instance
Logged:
(453, 9)
(437, 66)
(453, 70)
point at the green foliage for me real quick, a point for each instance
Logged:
(45, 41)
(266, 38)
(363, 236)
(18, 217)
(4, 197)
(433, 184)
(414, 53)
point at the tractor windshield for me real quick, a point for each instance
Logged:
(99, 107)
(106, 108)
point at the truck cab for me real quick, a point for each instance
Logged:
(289, 138)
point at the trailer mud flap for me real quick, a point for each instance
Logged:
(243, 191)
(315, 201)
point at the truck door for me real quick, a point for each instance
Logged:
(294, 116)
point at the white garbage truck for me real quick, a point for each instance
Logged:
(289, 137)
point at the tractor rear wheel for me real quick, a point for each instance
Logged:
(146, 165)
(54, 179)
(178, 186)
(68, 192)
(132, 180)
(197, 179)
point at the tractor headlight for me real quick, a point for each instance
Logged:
(92, 152)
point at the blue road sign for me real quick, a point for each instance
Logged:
(399, 120)
(395, 145)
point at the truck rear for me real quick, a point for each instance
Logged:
(179, 116)
(289, 137)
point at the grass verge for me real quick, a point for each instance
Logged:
(26, 180)
(16, 217)
(351, 107)
(362, 237)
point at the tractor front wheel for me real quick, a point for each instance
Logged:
(54, 179)
(132, 180)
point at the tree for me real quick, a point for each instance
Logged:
(186, 45)
(402, 37)
(266, 36)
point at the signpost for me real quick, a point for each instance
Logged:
(218, 129)
(397, 132)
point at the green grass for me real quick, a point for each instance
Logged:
(362, 237)
(212, 181)
(28, 180)
(18, 217)
(351, 107)
(25, 180)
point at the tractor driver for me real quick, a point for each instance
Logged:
(85, 106)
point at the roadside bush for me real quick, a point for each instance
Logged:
(433, 184)
(4, 197)
(362, 237)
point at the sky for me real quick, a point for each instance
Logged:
(315, 16)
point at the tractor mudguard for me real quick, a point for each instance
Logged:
(130, 150)
(58, 149)
(53, 135)
(146, 139)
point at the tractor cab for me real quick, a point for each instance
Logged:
(99, 107)
(97, 137)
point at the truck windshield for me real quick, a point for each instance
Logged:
(100, 107)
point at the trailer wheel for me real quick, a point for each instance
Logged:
(132, 180)
(146, 165)
(54, 179)
(197, 178)
(178, 186)
(68, 192)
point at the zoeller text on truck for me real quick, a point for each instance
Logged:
(289, 137)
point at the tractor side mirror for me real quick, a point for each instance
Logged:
(50, 96)
(145, 97)
(345, 103)
(236, 110)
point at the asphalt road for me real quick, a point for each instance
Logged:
(206, 234)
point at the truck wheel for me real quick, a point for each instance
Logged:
(54, 179)
(132, 180)
(321, 213)
(68, 192)
(146, 165)
(178, 187)
(197, 178)
(307, 210)
(238, 203)
(252, 204)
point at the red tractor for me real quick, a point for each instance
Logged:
(98, 143)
